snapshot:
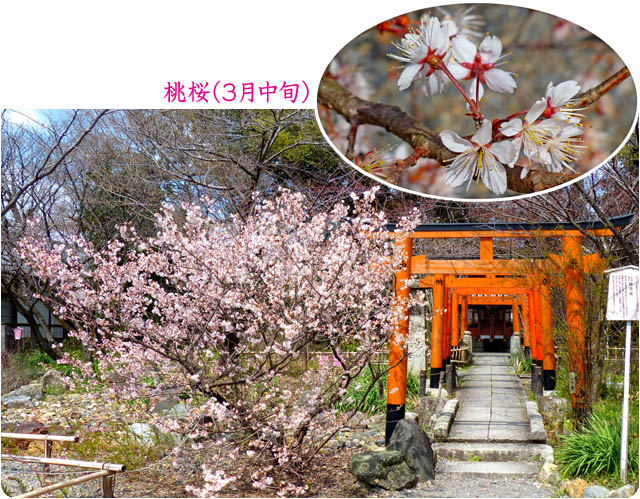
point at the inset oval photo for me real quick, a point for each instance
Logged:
(476, 101)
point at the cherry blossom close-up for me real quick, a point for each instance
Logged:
(476, 101)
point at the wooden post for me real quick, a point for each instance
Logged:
(538, 327)
(108, 485)
(486, 248)
(575, 304)
(525, 321)
(397, 384)
(515, 316)
(464, 319)
(548, 347)
(446, 338)
(455, 318)
(532, 328)
(437, 324)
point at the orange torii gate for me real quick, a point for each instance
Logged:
(527, 276)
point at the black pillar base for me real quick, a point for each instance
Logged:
(527, 351)
(434, 379)
(549, 379)
(395, 413)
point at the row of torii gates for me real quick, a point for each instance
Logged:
(522, 283)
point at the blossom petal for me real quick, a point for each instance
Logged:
(472, 90)
(434, 84)
(483, 135)
(536, 110)
(493, 174)
(454, 142)
(436, 37)
(461, 170)
(505, 151)
(500, 81)
(561, 94)
(511, 127)
(463, 49)
(524, 171)
(490, 48)
(407, 76)
(459, 72)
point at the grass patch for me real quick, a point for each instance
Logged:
(521, 363)
(373, 402)
(116, 443)
(594, 453)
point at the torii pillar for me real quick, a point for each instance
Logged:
(437, 330)
(398, 352)
(574, 306)
(548, 347)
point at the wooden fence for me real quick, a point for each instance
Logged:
(106, 471)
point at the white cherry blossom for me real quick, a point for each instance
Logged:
(478, 64)
(416, 47)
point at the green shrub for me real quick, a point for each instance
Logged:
(373, 403)
(521, 363)
(595, 452)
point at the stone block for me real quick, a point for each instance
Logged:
(386, 469)
(415, 446)
(445, 418)
(595, 491)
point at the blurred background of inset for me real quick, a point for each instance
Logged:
(544, 49)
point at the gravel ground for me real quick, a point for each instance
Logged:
(446, 485)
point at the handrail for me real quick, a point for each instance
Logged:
(31, 436)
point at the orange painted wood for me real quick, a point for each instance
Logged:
(516, 315)
(546, 315)
(537, 325)
(554, 265)
(397, 384)
(437, 323)
(464, 320)
(455, 320)
(472, 234)
(574, 310)
(486, 248)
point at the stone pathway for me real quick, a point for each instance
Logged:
(491, 403)
(488, 452)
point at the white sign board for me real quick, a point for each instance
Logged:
(622, 300)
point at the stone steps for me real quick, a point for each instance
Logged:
(487, 469)
(493, 451)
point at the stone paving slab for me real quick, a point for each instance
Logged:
(487, 469)
(491, 403)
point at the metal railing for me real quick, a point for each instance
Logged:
(106, 471)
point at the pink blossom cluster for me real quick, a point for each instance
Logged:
(223, 309)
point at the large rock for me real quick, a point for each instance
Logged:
(386, 469)
(145, 432)
(428, 409)
(595, 491)
(576, 487)
(25, 395)
(414, 444)
(626, 491)
(16, 401)
(53, 382)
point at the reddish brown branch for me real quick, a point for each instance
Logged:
(351, 140)
(590, 96)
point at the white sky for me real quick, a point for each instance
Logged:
(122, 53)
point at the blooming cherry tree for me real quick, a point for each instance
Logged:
(222, 309)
